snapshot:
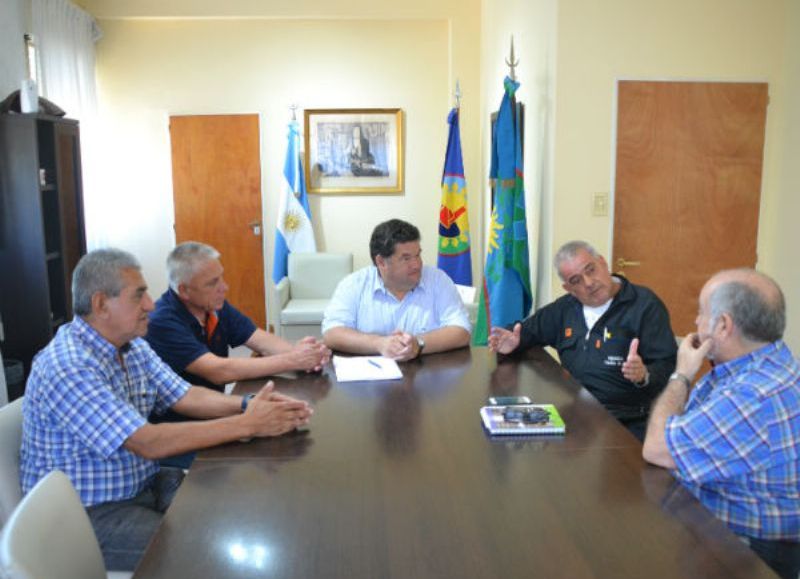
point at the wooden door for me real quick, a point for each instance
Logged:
(216, 178)
(688, 185)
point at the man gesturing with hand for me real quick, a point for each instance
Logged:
(614, 337)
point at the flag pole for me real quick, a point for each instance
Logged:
(512, 62)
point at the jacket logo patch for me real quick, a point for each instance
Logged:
(597, 344)
(568, 332)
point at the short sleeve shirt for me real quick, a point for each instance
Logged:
(179, 338)
(362, 302)
(737, 445)
(83, 399)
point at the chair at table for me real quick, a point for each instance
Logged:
(10, 439)
(305, 292)
(468, 294)
(49, 535)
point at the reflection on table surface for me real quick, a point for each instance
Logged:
(399, 479)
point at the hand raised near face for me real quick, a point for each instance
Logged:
(691, 354)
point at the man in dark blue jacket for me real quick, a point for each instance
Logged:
(614, 337)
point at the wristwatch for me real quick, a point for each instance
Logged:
(682, 378)
(420, 345)
(246, 400)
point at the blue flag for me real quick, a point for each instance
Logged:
(506, 294)
(454, 246)
(293, 230)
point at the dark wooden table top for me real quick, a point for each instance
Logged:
(398, 479)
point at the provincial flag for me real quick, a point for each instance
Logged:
(293, 230)
(454, 246)
(506, 293)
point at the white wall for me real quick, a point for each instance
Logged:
(14, 22)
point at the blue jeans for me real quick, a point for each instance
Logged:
(124, 528)
(782, 556)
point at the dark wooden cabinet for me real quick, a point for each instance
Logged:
(41, 229)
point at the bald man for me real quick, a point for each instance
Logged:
(732, 440)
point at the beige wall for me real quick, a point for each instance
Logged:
(779, 223)
(601, 42)
(148, 70)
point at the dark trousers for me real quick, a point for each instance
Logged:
(124, 528)
(782, 556)
(636, 426)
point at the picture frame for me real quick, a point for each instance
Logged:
(354, 151)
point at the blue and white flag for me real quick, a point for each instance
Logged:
(293, 230)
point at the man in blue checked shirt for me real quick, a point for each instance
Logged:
(733, 439)
(396, 307)
(88, 398)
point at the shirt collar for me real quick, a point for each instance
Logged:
(180, 308)
(88, 334)
(737, 365)
(378, 285)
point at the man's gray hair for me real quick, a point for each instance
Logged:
(568, 251)
(99, 271)
(758, 316)
(184, 261)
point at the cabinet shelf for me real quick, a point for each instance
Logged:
(42, 228)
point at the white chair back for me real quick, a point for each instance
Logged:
(49, 535)
(316, 275)
(10, 440)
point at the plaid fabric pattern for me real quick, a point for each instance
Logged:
(81, 404)
(737, 446)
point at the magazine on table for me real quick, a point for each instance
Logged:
(519, 419)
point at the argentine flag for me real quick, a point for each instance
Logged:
(293, 231)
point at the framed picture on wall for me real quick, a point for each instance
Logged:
(354, 151)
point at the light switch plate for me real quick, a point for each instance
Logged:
(600, 204)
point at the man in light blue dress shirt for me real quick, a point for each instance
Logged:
(397, 307)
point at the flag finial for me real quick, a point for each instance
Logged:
(457, 94)
(293, 108)
(512, 62)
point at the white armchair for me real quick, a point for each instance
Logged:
(305, 292)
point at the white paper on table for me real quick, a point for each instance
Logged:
(364, 368)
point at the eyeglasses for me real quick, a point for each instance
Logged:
(528, 415)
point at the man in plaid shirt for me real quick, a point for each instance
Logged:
(733, 439)
(88, 398)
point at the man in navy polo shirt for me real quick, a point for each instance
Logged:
(193, 326)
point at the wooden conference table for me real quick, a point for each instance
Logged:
(399, 479)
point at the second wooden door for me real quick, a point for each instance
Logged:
(688, 185)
